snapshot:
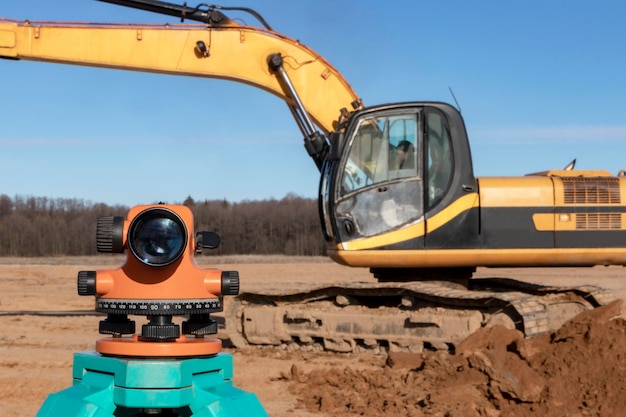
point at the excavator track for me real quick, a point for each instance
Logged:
(401, 316)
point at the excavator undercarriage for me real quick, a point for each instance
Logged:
(401, 316)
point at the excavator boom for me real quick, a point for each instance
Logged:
(223, 50)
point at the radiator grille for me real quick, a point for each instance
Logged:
(582, 190)
(598, 221)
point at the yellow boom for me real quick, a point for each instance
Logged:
(231, 52)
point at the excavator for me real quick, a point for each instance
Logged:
(397, 193)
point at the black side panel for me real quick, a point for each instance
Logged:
(592, 239)
(417, 243)
(459, 233)
(505, 228)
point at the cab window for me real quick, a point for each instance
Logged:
(382, 149)
(439, 157)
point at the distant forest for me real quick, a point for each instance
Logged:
(41, 226)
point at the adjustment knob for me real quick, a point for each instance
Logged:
(86, 283)
(160, 328)
(109, 234)
(116, 324)
(230, 282)
(199, 325)
(160, 332)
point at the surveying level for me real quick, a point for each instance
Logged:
(166, 370)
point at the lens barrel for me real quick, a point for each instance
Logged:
(157, 237)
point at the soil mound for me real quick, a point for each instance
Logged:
(576, 371)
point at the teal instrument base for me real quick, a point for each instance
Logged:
(125, 387)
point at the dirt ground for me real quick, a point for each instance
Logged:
(576, 371)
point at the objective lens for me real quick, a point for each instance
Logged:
(157, 237)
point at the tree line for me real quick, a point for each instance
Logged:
(41, 226)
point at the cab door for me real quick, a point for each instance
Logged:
(451, 201)
(378, 186)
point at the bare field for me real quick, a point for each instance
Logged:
(36, 350)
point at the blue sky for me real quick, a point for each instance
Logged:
(539, 84)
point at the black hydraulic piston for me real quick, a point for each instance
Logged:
(206, 15)
(314, 142)
(210, 14)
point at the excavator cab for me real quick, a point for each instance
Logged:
(399, 166)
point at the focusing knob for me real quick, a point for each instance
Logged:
(86, 283)
(230, 282)
(109, 234)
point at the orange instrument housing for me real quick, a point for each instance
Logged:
(160, 279)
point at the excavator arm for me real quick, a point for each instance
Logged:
(315, 92)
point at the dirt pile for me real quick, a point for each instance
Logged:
(576, 371)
